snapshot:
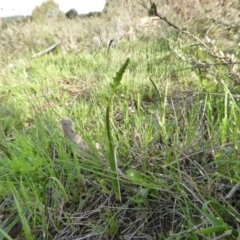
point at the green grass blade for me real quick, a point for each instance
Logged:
(112, 157)
(110, 144)
(24, 221)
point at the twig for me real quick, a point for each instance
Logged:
(49, 49)
(233, 190)
(152, 11)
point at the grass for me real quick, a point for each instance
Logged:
(173, 130)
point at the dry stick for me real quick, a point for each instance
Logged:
(49, 49)
(153, 11)
(233, 190)
(67, 126)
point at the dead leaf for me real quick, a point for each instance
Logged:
(67, 126)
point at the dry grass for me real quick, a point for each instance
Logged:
(123, 21)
